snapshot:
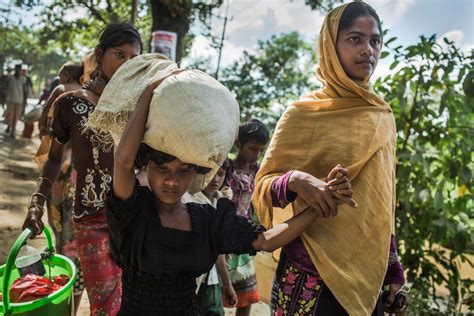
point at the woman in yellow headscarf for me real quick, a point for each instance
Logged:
(340, 263)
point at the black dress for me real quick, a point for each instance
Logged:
(160, 264)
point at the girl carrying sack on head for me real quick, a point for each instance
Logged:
(183, 124)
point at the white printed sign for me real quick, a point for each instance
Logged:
(164, 42)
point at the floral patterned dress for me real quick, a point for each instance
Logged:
(298, 288)
(92, 154)
(240, 267)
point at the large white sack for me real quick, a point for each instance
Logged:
(121, 95)
(192, 116)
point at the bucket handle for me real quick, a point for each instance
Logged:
(20, 241)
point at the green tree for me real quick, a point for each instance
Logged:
(21, 43)
(85, 19)
(324, 5)
(277, 72)
(74, 24)
(435, 123)
(178, 15)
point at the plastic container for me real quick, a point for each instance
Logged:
(29, 261)
(59, 303)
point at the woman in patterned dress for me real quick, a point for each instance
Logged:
(92, 154)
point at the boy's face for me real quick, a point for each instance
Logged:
(169, 181)
(216, 182)
(250, 151)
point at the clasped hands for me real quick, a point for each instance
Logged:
(324, 196)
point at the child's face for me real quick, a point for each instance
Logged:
(250, 151)
(358, 48)
(216, 182)
(169, 181)
(114, 57)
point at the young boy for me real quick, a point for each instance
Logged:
(209, 297)
(251, 142)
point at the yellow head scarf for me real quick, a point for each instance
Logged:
(346, 123)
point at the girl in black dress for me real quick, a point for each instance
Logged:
(163, 244)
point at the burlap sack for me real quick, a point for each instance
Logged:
(192, 116)
(121, 95)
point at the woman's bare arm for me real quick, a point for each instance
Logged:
(43, 188)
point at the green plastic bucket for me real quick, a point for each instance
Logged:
(59, 303)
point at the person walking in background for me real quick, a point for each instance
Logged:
(15, 85)
(209, 297)
(69, 80)
(27, 88)
(44, 93)
(3, 94)
(252, 139)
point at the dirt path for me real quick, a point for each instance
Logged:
(18, 174)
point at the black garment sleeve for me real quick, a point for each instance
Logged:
(121, 212)
(233, 233)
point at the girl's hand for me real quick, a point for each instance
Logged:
(33, 220)
(397, 301)
(315, 192)
(340, 186)
(228, 295)
(159, 79)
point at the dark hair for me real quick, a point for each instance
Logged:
(355, 10)
(146, 153)
(253, 130)
(116, 34)
(226, 164)
(75, 70)
(54, 84)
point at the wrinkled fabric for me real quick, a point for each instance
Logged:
(206, 112)
(32, 287)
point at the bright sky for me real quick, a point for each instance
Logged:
(406, 19)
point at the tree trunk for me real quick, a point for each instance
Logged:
(133, 14)
(172, 16)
